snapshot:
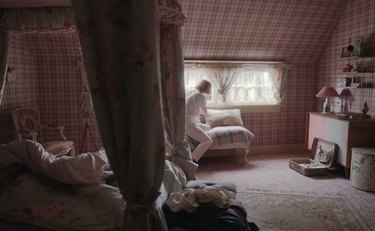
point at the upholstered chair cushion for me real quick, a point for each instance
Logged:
(56, 147)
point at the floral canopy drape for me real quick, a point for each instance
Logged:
(173, 88)
(3, 65)
(120, 47)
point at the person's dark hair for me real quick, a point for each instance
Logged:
(203, 85)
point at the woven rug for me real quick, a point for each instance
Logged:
(289, 212)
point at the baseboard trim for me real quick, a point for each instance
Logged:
(283, 148)
(265, 149)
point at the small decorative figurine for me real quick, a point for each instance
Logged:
(365, 109)
(360, 51)
(347, 68)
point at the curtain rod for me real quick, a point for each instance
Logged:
(240, 62)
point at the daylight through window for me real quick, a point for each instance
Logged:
(240, 84)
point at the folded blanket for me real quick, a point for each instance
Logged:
(83, 169)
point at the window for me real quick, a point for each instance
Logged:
(238, 85)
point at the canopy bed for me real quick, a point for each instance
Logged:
(143, 72)
(49, 192)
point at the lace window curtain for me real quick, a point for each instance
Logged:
(222, 78)
(244, 84)
(256, 85)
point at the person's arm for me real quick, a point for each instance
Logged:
(203, 107)
(204, 110)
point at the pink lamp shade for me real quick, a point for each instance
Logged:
(327, 92)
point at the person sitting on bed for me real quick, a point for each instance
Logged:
(195, 104)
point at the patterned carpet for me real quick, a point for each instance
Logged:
(270, 173)
(276, 212)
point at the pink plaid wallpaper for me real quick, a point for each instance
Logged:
(294, 31)
(287, 126)
(358, 19)
(49, 79)
(306, 34)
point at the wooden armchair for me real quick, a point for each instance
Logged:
(27, 121)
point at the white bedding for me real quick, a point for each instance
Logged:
(65, 193)
(83, 169)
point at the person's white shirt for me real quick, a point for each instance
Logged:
(195, 102)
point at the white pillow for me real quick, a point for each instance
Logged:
(231, 117)
(83, 169)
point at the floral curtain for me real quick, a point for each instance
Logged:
(223, 78)
(173, 87)
(120, 47)
(3, 65)
(37, 18)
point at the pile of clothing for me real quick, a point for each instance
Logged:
(203, 206)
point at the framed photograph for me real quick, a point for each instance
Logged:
(348, 53)
(324, 151)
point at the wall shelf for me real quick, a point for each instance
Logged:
(362, 78)
(355, 57)
(357, 72)
(341, 87)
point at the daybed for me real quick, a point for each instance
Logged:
(227, 131)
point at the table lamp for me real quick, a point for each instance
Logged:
(327, 92)
(345, 96)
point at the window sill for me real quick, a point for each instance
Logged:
(249, 108)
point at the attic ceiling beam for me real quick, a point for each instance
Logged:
(33, 3)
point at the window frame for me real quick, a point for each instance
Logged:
(245, 108)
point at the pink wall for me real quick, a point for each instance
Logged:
(294, 31)
(287, 126)
(217, 29)
(49, 79)
(358, 19)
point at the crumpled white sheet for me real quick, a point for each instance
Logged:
(84, 169)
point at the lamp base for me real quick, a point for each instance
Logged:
(326, 106)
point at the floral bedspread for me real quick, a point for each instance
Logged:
(48, 203)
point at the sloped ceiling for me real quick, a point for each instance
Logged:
(286, 30)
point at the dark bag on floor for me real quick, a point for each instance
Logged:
(196, 221)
